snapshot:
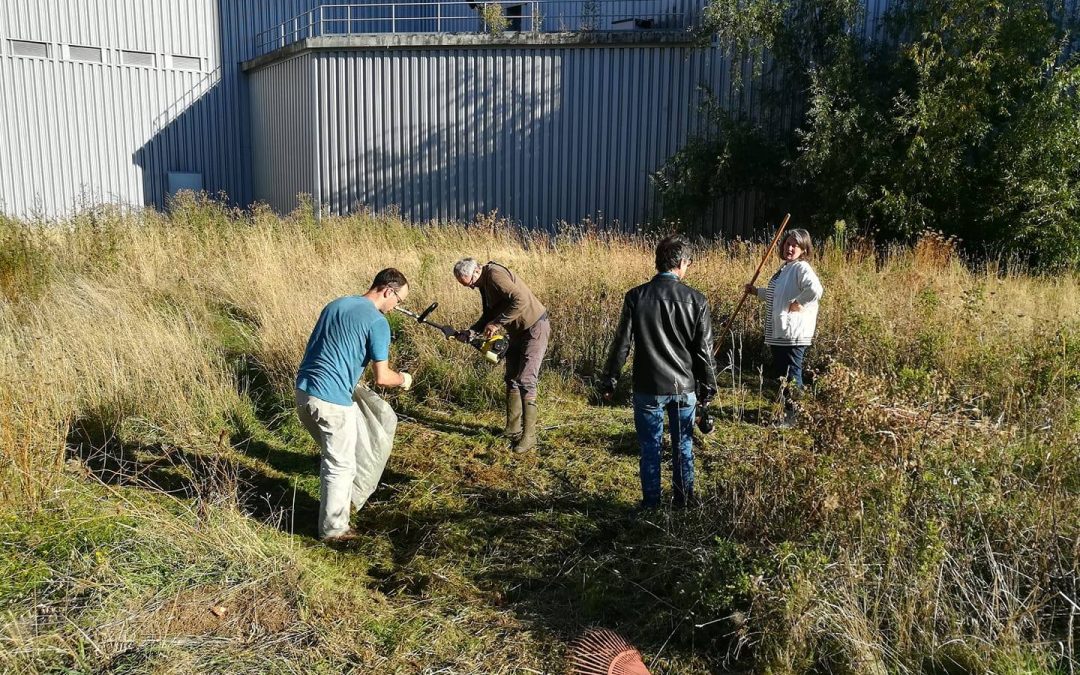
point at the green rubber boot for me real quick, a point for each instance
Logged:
(513, 415)
(528, 434)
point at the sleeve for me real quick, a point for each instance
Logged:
(810, 288)
(704, 370)
(620, 347)
(485, 319)
(379, 341)
(488, 312)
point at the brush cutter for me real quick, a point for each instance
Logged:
(493, 348)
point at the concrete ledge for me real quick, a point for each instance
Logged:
(373, 41)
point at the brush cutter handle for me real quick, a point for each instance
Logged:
(424, 314)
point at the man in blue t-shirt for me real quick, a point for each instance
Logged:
(352, 425)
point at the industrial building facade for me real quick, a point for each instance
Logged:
(561, 114)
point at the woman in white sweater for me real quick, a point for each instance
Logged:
(791, 308)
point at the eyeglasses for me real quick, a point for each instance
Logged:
(394, 291)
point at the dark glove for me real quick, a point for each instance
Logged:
(605, 386)
(463, 336)
(705, 395)
(705, 422)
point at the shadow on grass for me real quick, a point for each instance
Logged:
(747, 415)
(442, 424)
(559, 562)
(205, 477)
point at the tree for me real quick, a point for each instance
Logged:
(962, 116)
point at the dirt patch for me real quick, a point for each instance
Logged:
(223, 612)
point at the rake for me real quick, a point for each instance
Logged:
(599, 651)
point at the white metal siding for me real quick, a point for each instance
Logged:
(540, 134)
(76, 133)
(283, 132)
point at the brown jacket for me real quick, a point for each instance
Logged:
(507, 301)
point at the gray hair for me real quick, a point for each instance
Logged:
(802, 239)
(465, 268)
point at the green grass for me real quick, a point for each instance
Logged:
(159, 496)
(472, 558)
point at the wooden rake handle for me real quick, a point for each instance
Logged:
(727, 324)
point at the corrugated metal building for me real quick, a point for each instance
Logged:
(367, 105)
(101, 99)
(107, 100)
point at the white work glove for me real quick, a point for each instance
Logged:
(406, 381)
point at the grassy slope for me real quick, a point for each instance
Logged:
(473, 558)
(159, 496)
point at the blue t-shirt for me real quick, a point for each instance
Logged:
(350, 333)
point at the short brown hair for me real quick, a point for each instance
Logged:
(389, 278)
(802, 238)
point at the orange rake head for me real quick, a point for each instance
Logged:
(599, 651)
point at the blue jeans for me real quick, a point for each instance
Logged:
(787, 362)
(649, 423)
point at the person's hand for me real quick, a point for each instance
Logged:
(490, 330)
(406, 380)
(750, 289)
(462, 336)
(606, 387)
(794, 306)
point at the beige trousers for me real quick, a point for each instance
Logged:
(355, 441)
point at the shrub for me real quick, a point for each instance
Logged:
(959, 117)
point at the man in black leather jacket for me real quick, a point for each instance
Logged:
(671, 327)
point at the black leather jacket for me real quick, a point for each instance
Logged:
(669, 323)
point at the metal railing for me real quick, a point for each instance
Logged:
(494, 17)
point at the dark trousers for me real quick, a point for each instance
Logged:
(523, 357)
(787, 363)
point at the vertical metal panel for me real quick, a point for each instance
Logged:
(77, 134)
(80, 127)
(543, 134)
(283, 132)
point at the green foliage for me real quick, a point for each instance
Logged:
(962, 117)
(493, 17)
(24, 261)
(732, 155)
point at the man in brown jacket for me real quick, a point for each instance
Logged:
(509, 304)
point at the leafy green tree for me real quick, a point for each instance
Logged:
(961, 116)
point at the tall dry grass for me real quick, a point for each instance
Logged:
(931, 514)
(122, 314)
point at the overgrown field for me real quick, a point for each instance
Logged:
(158, 496)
